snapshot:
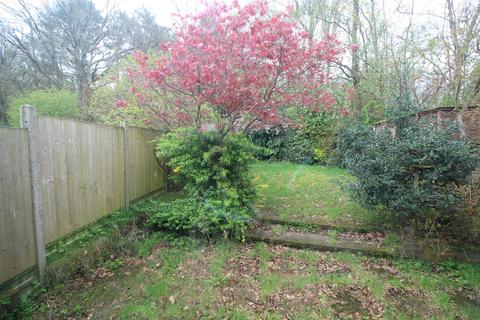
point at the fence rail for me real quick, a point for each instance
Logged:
(86, 171)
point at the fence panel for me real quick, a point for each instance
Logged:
(82, 173)
(144, 173)
(17, 246)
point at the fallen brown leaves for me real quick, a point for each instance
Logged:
(242, 289)
(376, 238)
(328, 266)
(197, 267)
(356, 303)
(408, 300)
(382, 266)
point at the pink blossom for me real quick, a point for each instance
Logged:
(236, 65)
(121, 103)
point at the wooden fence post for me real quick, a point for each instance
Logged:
(28, 120)
(125, 161)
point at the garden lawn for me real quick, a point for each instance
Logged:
(182, 278)
(305, 193)
(168, 276)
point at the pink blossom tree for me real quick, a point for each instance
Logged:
(234, 66)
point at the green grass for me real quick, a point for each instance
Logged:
(307, 193)
(184, 278)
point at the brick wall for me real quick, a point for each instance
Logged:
(470, 119)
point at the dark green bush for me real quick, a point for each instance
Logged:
(271, 141)
(213, 170)
(209, 165)
(321, 129)
(311, 141)
(283, 144)
(412, 175)
(298, 148)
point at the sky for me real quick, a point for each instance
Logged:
(164, 9)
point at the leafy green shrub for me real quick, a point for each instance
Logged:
(350, 144)
(321, 129)
(209, 165)
(310, 142)
(207, 217)
(271, 140)
(412, 175)
(214, 172)
(20, 307)
(50, 102)
(298, 148)
(283, 144)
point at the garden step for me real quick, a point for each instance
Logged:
(320, 241)
(369, 244)
(313, 223)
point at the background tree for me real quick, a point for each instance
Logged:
(463, 26)
(8, 57)
(71, 43)
(142, 32)
(352, 23)
(435, 56)
(17, 74)
(113, 102)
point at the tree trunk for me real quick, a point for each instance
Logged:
(3, 108)
(462, 38)
(84, 90)
(357, 105)
(84, 94)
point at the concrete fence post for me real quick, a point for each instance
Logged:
(461, 125)
(28, 120)
(126, 164)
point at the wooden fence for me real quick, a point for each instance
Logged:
(85, 171)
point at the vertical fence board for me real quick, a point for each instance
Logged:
(17, 246)
(60, 178)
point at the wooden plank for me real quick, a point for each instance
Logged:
(47, 181)
(97, 169)
(60, 177)
(82, 214)
(126, 164)
(21, 205)
(70, 151)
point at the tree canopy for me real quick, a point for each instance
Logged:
(235, 66)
